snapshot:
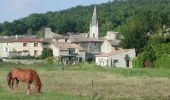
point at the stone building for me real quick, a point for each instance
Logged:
(115, 57)
(20, 46)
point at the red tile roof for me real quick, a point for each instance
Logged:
(27, 39)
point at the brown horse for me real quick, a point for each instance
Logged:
(24, 75)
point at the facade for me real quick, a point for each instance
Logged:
(115, 57)
(67, 52)
(28, 46)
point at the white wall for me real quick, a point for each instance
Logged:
(5, 48)
(55, 51)
(101, 61)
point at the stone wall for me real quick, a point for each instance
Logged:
(23, 61)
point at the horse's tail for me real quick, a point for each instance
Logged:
(9, 78)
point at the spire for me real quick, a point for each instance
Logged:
(94, 29)
(94, 18)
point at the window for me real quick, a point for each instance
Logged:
(24, 44)
(65, 40)
(115, 61)
(35, 44)
(95, 44)
(6, 49)
(71, 51)
(35, 52)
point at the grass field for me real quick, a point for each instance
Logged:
(75, 83)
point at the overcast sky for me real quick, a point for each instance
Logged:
(15, 9)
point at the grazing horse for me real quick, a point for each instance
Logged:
(24, 75)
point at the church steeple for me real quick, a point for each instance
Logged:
(94, 18)
(94, 25)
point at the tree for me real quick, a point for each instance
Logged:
(134, 33)
(47, 52)
(110, 16)
(127, 59)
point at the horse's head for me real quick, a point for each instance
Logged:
(38, 85)
(39, 88)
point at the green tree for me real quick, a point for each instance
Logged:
(47, 52)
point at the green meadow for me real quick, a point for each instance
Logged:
(75, 83)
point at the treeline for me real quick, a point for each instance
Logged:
(111, 15)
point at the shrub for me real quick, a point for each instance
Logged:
(137, 63)
(50, 60)
(163, 62)
(47, 52)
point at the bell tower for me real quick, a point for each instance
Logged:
(94, 29)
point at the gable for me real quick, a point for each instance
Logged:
(106, 47)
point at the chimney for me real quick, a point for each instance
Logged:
(47, 30)
(16, 36)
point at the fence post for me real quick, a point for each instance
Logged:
(92, 85)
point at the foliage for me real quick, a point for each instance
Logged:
(156, 51)
(154, 13)
(137, 63)
(134, 32)
(47, 52)
(163, 62)
(127, 57)
(50, 60)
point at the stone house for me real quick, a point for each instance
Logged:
(20, 46)
(115, 57)
(68, 53)
(28, 46)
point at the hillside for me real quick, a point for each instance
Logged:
(111, 15)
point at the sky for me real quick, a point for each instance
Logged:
(14, 9)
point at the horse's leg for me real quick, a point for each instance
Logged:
(28, 88)
(12, 84)
(17, 82)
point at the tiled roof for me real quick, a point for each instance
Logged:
(7, 39)
(83, 38)
(61, 37)
(28, 39)
(66, 46)
(114, 52)
(49, 40)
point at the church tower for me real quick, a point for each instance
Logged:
(94, 29)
